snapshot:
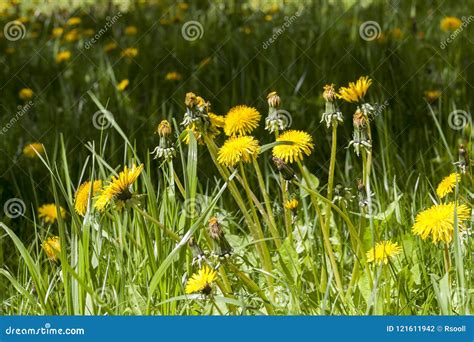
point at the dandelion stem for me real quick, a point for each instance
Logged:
(267, 260)
(327, 242)
(332, 164)
(272, 224)
(261, 247)
(284, 195)
(168, 232)
(253, 287)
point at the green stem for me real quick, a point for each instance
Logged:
(284, 197)
(168, 232)
(272, 224)
(260, 246)
(327, 242)
(350, 225)
(267, 263)
(330, 185)
(252, 287)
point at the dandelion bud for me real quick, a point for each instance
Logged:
(202, 104)
(363, 200)
(196, 111)
(190, 100)
(361, 137)
(222, 248)
(292, 205)
(164, 129)
(359, 119)
(276, 119)
(286, 171)
(273, 99)
(165, 149)
(52, 248)
(329, 93)
(463, 159)
(198, 254)
(342, 195)
(332, 115)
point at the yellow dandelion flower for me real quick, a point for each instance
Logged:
(131, 30)
(165, 21)
(355, 92)
(52, 248)
(74, 21)
(241, 120)
(49, 212)
(246, 30)
(123, 85)
(438, 221)
(119, 187)
(291, 204)
(63, 56)
(201, 281)
(72, 36)
(432, 95)
(32, 150)
(173, 76)
(268, 17)
(302, 144)
(383, 251)
(447, 185)
(183, 6)
(23, 19)
(450, 23)
(238, 149)
(84, 193)
(25, 94)
(57, 32)
(274, 8)
(129, 53)
(89, 32)
(397, 33)
(192, 129)
(217, 120)
(110, 46)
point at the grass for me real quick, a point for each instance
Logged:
(312, 261)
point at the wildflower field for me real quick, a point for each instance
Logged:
(236, 158)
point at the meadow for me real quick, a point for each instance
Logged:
(236, 158)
